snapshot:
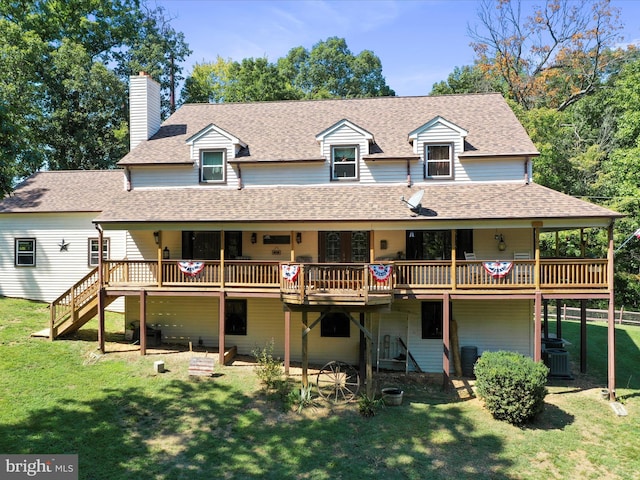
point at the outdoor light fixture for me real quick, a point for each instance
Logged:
(502, 246)
(254, 237)
(383, 244)
(166, 254)
(299, 237)
(156, 237)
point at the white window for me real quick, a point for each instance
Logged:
(438, 161)
(25, 252)
(212, 166)
(344, 163)
(94, 251)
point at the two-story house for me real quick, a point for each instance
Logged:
(376, 227)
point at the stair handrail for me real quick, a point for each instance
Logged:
(74, 300)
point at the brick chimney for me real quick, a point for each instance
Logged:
(144, 108)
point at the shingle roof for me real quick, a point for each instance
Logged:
(352, 203)
(287, 130)
(65, 191)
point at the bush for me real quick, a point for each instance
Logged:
(269, 370)
(511, 385)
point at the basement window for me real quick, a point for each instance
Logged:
(335, 325)
(235, 321)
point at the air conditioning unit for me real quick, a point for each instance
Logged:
(558, 362)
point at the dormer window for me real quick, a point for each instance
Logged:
(344, 163)
(212, 166)
(438, 160)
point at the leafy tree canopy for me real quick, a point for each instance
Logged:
(329, 70)
(63, 92)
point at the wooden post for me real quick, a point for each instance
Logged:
(221, 319)
(537, 328)
(536, 236)
(101, 332)
(446, 344)
(583, 336)
(287, 341)
(369, 354)
(222, 272)
(159, 258)
(305, 351)
(292, 255)
(611, 327)
(143, 322)
(101, 292)
(454, 281)
(52, 316)
(545, 324)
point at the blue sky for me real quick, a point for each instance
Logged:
(418, 42)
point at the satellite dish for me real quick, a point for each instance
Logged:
(414, 203)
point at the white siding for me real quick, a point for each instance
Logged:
(485, 324)
(213, 140)
(144, 109)
(440, 133)
(185, 319)
(313, 173)
(492, 170)
(55, 270)
(164, 176)
(345, 135)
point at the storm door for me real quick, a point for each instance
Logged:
(343, 247)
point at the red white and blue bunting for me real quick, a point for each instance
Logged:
(290, 272)
(191, 268)
(381, 272)
(498, 269)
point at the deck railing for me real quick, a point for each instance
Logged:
(322, 277)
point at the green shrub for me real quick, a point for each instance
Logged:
(269, 369)
(511, 385)
(367, 406)
(301, 398)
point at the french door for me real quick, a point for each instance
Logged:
(343, 247)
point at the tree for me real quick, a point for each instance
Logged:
(65, 67)
(330, 70)
(467, 79)
(552, 57)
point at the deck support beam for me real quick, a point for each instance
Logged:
(143, 322)
(101, 332)
(537, 327)
(611, 327)
(305, 349)
(583, 336)
(287, 341)
(221, 317)
(446, 342)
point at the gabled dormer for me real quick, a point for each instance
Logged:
(211, 148)
(438, 142)
(343, 145)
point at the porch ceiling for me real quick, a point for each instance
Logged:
(352, 203)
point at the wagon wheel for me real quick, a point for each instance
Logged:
(338, 382)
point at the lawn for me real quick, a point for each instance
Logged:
(127, 422)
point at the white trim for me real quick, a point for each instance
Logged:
(426, 146)
(354, 163)
(209, 128)
(223, 165)
(31, 252)
(344, 122)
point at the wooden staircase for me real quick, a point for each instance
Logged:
(76, 306)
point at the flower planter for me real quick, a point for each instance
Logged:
(392, 396)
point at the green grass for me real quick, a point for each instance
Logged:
(127, 422)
